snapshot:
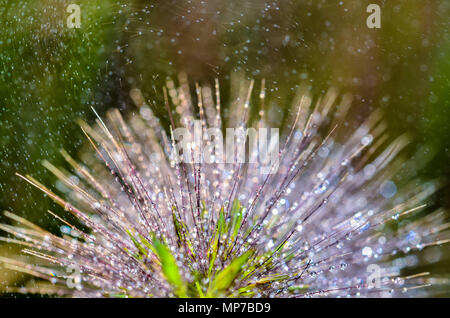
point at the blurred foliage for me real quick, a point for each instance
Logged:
(51, 75)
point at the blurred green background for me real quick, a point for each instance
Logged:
(50, 75)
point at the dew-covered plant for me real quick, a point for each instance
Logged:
(325, 221)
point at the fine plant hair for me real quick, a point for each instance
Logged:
(328, 220)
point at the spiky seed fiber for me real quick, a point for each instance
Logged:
(318, 225)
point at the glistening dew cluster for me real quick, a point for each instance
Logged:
(322, 221)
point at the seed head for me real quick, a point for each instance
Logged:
(183, 211)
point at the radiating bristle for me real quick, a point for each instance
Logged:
(165, 220)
